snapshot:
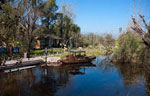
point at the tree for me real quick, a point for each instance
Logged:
(9, 30)
(2, 2)
(65, 27)
(49, 15)
(29, 21)
(145, 35)
(109, 40)
(9, 23)
(129, 47)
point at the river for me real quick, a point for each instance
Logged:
(105, 79)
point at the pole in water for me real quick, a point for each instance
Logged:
(45, 54)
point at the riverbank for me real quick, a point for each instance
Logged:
(49, 60)
(62, 53)
(11, 66)
(25, 63)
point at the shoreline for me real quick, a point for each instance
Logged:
(16, 65)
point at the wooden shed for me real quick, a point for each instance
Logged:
(49, 41)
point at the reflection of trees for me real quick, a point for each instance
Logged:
(14, 85)
(147, 83)
(147, 79)
(104, 65)
(50, 80)
(36, 82)
(33, 82)
(130, 72)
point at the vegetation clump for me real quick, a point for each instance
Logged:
(128, 48)
(131, 47)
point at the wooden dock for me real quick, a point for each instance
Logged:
(22, 66)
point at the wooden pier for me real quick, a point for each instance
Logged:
(21, 66)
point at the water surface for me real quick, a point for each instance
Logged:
(105, 79)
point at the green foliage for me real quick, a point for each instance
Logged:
(96, 40)
(128, 47)
(68, 31)
(24, 20)
(19, 24)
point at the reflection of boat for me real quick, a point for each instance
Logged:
(77, 57)
(79, 65)
(78, 69)
(76, 73)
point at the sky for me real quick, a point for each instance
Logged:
(105, 16)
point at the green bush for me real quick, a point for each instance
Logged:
(129, 47)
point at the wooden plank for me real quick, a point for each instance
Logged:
(22, 65)
(18, 69)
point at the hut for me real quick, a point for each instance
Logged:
(49, 41)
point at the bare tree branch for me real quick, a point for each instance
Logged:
(137, 28)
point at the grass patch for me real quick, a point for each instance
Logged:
(42, 52)
(95, 53)
(89, 52)
(63, 55)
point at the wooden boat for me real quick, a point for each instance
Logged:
(77, 57)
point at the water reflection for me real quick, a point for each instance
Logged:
(147, 79)
(133, 74)
(38, 81)
(104, 79)
(78, 69)
(35, 82)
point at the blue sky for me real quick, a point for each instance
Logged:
(105, 16)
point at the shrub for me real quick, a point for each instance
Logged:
(129, 47)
